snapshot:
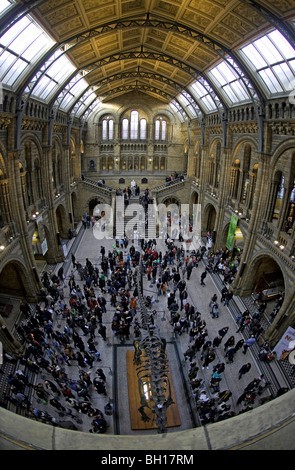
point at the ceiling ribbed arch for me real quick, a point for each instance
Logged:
(180, 40)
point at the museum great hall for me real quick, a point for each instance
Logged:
(192, 100)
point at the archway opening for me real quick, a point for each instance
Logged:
(12, 285)
(61, 222)
(92, 204)
(267, 278)
(208, 219)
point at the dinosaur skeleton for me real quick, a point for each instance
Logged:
(152, 371)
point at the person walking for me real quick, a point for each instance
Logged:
(203, 277)
(230, 354)
(215, 310)
(209, 356)
(239, 344)
(230, 342)
(244, 370)
(250, 341)
(222, 332)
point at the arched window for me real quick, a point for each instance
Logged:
(143, 126)
(107, 129)
(134, 125)
(125, 127)
(157, 130)
(160, 129)
(163, 130)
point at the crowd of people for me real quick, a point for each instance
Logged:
(83, 299)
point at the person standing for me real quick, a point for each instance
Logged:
(244, 370)
(250, 341)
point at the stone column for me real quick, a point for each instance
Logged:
(259, 202)
(57, 255)
(191, 162)
(5, 203)
(67, 181)
(20, 219)
(223, 191)
(203, 170)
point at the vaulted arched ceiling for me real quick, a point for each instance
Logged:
(156, 46)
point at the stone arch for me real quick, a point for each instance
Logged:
(288, 146)
(89, 202)
(61, 217)
(282, 187)
(208, 218)
(239, 237)
(14, 280)
(46, 248)
(266, 272)
(30, 158)
(92, 203)
(167, 200)
(194, 199)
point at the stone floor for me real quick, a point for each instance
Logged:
(113, 352)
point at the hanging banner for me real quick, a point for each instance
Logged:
(283, 348)
(231, 232)
(65, 249)
(44, 247)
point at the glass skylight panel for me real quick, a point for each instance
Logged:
(201, 94)
(284, 75)
(15, 71)
(84, 102)
(74, 91)
(183, 100)
(55, 75)
(273, 58)
(229, 82)
(6, 59)
(208, 102)
(282, 44)
(187, 105)
(231, 95)
(199, 89)
(174, 105)
(239, 90)
(217, 76)
(24, 42)
(89, 98)
(4, 4)
(14, 31)
(270, 81)
(268, 50)
(226, 71)
(255, 57)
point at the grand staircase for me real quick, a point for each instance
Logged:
(133, 223)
